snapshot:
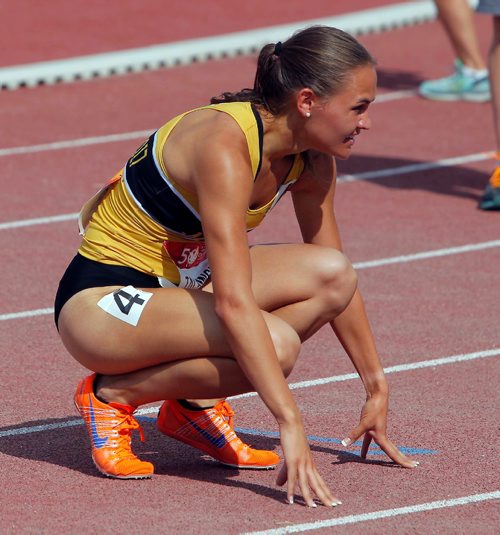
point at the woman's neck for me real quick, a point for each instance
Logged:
(282, 135)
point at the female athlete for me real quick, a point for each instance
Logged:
(166, 301)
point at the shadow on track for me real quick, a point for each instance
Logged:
(67, 445)
(454, 181)
(397, 80)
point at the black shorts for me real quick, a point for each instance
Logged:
(83, 273)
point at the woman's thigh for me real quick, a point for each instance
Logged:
(177, 323)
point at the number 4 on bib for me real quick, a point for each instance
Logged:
(121, 296)
(127, 304)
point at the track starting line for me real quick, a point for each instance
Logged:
(453, 359)
(386, 513)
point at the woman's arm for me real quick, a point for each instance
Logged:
(223, 182)
(313, 199)
(222, 176)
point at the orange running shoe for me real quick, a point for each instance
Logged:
(211, 430)
(110, 427)
(491, 196)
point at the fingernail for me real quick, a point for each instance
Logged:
(290, 501)
(346, 442)
(313, 505)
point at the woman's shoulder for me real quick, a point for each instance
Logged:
(236, 114)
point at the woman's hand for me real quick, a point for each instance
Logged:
(299, 468)
(373, 425)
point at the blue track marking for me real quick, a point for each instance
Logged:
(374, 449)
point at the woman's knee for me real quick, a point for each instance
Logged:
(337, 281)
(287, 345)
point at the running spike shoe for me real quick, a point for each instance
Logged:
(110, 427)
(211, 431)
(458, 86)
(491, 196)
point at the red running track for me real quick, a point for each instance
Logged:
(420, 310)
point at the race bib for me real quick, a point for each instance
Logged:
(191, 261)
(127, 304)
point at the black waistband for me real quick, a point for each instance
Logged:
(83, 273)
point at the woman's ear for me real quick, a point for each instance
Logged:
(305, 101)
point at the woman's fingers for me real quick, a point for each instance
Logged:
(354, 435)
(305, 489)
(290, 479)
(322, 491)
(393, 452)
(299, 470)
(282, 476)
(310, 484)
(383, 442)
(366, 444)
(290, 486)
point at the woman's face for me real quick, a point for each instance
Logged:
(335, 122)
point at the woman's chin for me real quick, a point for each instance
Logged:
(342, 154)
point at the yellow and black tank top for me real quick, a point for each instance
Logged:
(144, 220)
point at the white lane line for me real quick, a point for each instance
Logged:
(207, 48)
(423, 166)
(386, 513)
(141, 134)
(395, 95)
(41, 428)
(420, 166)
(404, 259)
(453, 359)
(26, 314)
(74, 143)
(8, 225)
